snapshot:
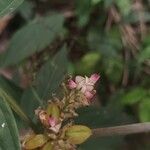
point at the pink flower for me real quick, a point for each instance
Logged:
(85, 84)
(54, 124)
(89, 95)
(52, 121)
(94, 78)
(72, 84)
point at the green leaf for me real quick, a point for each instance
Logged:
(29, 102)
(106, 143)
(47, 81)
(95, 117)
(32, 38)
(124, 6)
(144, 55)
(89, 62)
(83, 10)
(51, 75)
(134, 96)
(8, 6)
(13, 104)
(144, 110)
(26, 9)
(9, 139)
(11, 88)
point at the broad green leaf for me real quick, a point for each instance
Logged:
(144, 110)
(106, 143)
(9, 139)
(11, 88)
(29, 102)
(26, 9)
(51, 75)
(15, 92)
(8, 6)
(47, 82)
(32, 38)
(13, 104)
(134, 96)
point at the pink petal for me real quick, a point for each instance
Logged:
(79, 79)
(94, 78)
(72, 84)
(89, 88)
(89, 95)
(56, 128)
(52, 121)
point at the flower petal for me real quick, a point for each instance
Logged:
(79, 79)
(72, 84)
(52, 121)
(56, 128)
(89, 95)
(94, 78)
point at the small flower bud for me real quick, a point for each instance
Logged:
(48, 146)
(94, 78)
(35, 141)
(72, 84)
(53, 111)
(77, 134)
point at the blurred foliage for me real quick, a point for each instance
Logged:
(49, 39)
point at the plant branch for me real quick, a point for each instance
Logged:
(122, 130)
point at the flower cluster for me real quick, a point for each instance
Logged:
(85, 85)
(58, 130)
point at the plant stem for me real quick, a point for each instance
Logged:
(122, 130)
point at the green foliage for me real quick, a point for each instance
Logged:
(134, 96)
(47, 81)
(97, 44)
(108, 143)
(15, 107)
(144, 110)
(83, 13)
(107, 44)
(26, 10)
(51, 75)
(9, 137)
(124, 6)
(8, 6)
(109, 115)
(144, 55)
(33, 37)
(89, 62)
(141, 96)
(11, 88)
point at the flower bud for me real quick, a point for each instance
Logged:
(35, 141)
(77, 134)
(48, 146)
(53, 111)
